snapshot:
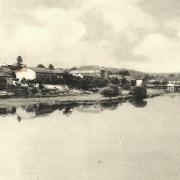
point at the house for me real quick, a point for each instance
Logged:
(173, 84)
(139, 82)
(173, 80)
(27, 73)
(90, 71)
(6, 77)
(41, 75)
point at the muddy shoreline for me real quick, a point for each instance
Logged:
(79, 99)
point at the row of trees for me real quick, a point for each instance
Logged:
(85, 83)
(19, 64)
(51, 67)
(121, 72)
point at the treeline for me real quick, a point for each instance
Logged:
(85, 83)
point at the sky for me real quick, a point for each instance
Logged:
(134, 34)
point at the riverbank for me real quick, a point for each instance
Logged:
(61, 99)
(84, 98)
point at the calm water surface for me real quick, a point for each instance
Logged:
(93, 143)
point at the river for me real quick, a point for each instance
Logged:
(119, 142)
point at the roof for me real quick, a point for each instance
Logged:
(5, 69)
(49, 71)
(84, 68)
(87, 70)
(173, 78)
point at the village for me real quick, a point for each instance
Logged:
(19, 80)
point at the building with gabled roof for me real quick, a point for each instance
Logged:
(90, 71)
(42, 75)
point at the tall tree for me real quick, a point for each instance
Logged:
(51, 67)
(19, 62)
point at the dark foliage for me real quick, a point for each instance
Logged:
(139, 93)
(51, 67)
(85, 83)
(115, 81)
(41, 66)
(124, 81)
(110, 91)
(19, 61)
(124, 73)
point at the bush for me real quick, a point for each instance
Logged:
(115, 81)
(139, 93)
(110, 91)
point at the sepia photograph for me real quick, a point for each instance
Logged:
(89, 89)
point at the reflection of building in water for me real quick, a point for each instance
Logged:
(38, 109)
(23, 114)
(93, 108)
(33, 110)
(7, 110)
(110, 105)
(139, 104)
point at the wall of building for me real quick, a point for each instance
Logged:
(9, 80)
(26, 73)
(139, 82)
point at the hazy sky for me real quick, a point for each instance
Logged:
(135, 34)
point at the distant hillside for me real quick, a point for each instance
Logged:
(114, 70)
(131, 71)
(165, 74)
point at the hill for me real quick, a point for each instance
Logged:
(132, 72)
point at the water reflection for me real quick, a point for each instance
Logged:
(7, 110)
(33, 110)
(139, 104)
(125, 143)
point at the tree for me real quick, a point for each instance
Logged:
(124, 73)
(115, 81)
(139, 93)
(123, 81)
(172, 75)
(19, 62)
(51, 67)
(164, 82)
(40, 66)
(110, 91)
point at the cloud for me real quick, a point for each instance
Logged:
(33, 4)
(161, 51)
(82, 32)
(162, 9)
(162, 12)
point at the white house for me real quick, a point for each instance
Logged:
(139, 82)
(40, 74)
(173, 83)
(27, 73)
